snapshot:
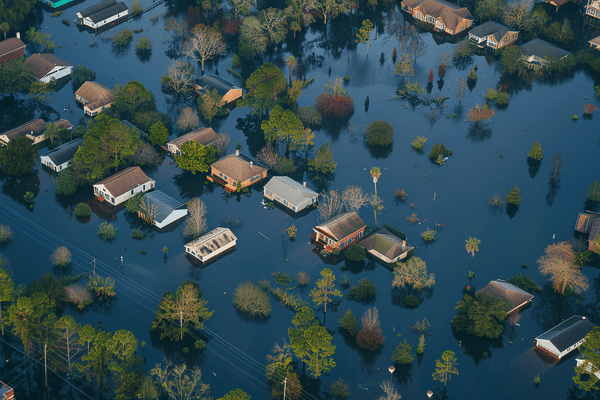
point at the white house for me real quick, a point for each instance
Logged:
(290, 193)
(103, 13)
(564, 337)
(123, 185)
(211, 244)
(48, 66)
(162, 208)
(61, 157)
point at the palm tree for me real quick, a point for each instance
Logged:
(4, 27)
(291, 63)
(375, 173)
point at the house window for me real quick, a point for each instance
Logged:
(285, 202)
(225, 177)
(294, 208)
(131, 191)
(112, 199)
(144, 187)
(430, 19)
(342, 244)
(350, 240)
(234, 183)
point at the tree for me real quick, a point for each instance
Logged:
(204, 42)
(325, 289)
(25, 316)
(348, 322)
(16, 76)
(250, 299)
(593, 193)
(18, 157)
(364, 32)
(536, 152)
(243, 7)
(330, 8)
(273, 22)
(421, 346)
(37, 37)
(208, 105)
(7, 287)
(80, 75)
(102, 287)
(61, 257)
(405, 66)
(195, 157)
(291, 63)
(379, 133)
(180, 75)
(586, 372)
(188, 120)
(518, 14)
(335, 101)
(370, 337)
(323, 163)
(472, 245)
(490, 9)
(318, 351)
(180, 383)
(122, 38)
(131, 99)
(158, 134)
(561, 31)
(6, 234)
(461, 88)
(559, 263)
(283, 125)
(67, 335)
(390, 390)
(253, 39)
(53, 131)
(478, 114)
(330, 205)
(514, 196)
(263, 86)
(86, 336)
(402, 354)
(413, 273)
(121, 348)
(365, 290)
(97, 358)
(237, 394)
(377, 204)
(4, 27)
(195, 224)
(181, 312)
(512, 61)
(481, 315)
(136, 8)
(353, 198)
(445, 367)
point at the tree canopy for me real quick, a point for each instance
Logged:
(195, 157)
(481, 315)
(18, 157)
(263, 86)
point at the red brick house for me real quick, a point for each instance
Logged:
(11, 48)
(340, 231)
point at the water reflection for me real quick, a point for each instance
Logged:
(251, 127)
(191, 185)
(403, 374)
(380, 152)
(511, 210)
(551, 308)
(477, 348)
(143, 55)
(553, 186)
(478, 131)
(533, 166)
(399, 294)
(17, 187)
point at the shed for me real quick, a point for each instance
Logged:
(6, 392)
(386, 246)
(11, 49)
(340, 232)
(204, 136)
(227, 90)
(538, 53)
(103, 13)
(94, 97)
(61, 157)
(123, 185)
(290, 193)
(443, 15)
(211, 244)
(162, 208)
(517, 296)
(493, 35)
(48, 66)
(237, 168)
(564, 337)
(33, 130)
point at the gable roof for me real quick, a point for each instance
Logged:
(162, 203)
(342, 225)
(450, 13)
(568, 332)
(86, 12)
(204, 136)
(35, 125)
(584, 222)
(508, 291)
(64, 152)
(494, 28)
(595, 41)
(595, 231)
(96, 94)
(5, 390)
(124, 181)
(9, 45)
(108, 12)
(542, 49)
(212, 241)
(386, 243)
(43, 63)
(215, 82)
(63, 123)
(290, 190)
(238, 167)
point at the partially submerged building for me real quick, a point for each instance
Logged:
(123, 185)
(11, 49)
(61, 157)
(493, 35)
(6, 392)
(444, 16)
(162, 209)
(234, 169)
(538, 53)
(47, 67)
(204, 136)
(33, 130)
(564, 337)
(289, 193)
(94, 97)
(103, 13)
(228, 91)
(518, 297)
(588, 223)
(339, 232)
(386, 246)
(211, 244)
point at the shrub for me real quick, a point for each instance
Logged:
(339, 389)
(6, 234)
(79, 295)
(349, 323)
(439, 150)
(418, 143)
(334, 106)
(310, 117)
(429, 235)
(402, 354)
(345, 283)
(123, 37)
(502, 99)
(411, 301)
(536, 152)
(82, 210)
(472, 75)
(527, 283)
(143, 44)
(250, 299)
(355, 253)
(303, 278)
(379, 133)
(107, 231)
(154, 18)
(135, 234)
(394, 231)
(364, 291)
(136, 8)
(593, 193)
(56, 14)
(514, 196)
(61, 257)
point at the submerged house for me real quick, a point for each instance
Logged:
(211, 244)
(444, 16)
(234, 169)
(592, 8)
(340, 231)
(588, 223)
(47, 67)
(204, 136)
(290, 193)
(61, 157)
(538, 53)
(6, 392)
(227, 90)
(100, 14)
(595, 43)
(564, 337)
(386, 246)
(514, 294)
(123, 185)
(33, 130)
(162, 208)
(94, 97)
(493, 35)
(11, 49)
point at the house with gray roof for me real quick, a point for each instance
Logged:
(493, 35)
(33, 130)
(211, 244)
(290, 193)
(514, 294)
(227, 90)
(161, 208)
(538, 53)
(6, 392)
(386, 246)
(564, 337)
(236, 168)
(103, 13)
(339, 232)
(61, 157)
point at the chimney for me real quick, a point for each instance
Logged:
(237, 153)
(304, 184)
(251, 164)
(404, 243)
(18, 35)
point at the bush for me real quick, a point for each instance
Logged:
(61, 257)
(334, 106)
(79, 295)
(143, 44)
(363, 292)
(135, 234)
(403, 353)
(250, 299)
(429, 235)
(418, 143)
(355, 253)
(56, 14)
(411, 301)
(349, 323)
(107, 231)
(6, 234)
(536, 152)
(593, 193)
(502, 99)
(82, 210)
(527, 283)
(339, 389)
(394, 231)
(472, 75)
(439, 150)
(136, 8)
(123, 37)
(379, 133)
(514, 196)
(310, 117)
(303, 278)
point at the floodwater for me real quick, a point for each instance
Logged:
(483, 163)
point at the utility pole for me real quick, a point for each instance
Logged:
(284, 387)
(94, 267)
(181, 323)
(45, 365)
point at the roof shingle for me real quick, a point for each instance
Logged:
(43, 63)
(238, 167)
(342, 225)
(124, 181)
(508, 291)
(568, 332)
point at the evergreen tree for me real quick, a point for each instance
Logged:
(349, 323)
(514, 196)
(445, 367)
(158, 135)
(421, 346)
(586, 372)
(195, 157)
(325, 289)
(536, 152)
(7, 287)
(402, 354)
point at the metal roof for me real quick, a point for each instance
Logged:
(567, 333)
(96, 7)
(64, 152)
(342, 225)
(108, 12)
(163, 203)
(290, 190)
(212, 241)
(216, 82)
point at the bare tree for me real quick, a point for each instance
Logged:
(370, 337)
(413, 273)
(204, 43)
(180, 75)
(330, 205)
(478, 114)
(148, 211)
(559, 263)
(188, 120)
(390, 390)
(195, 224)
(221, 144)
(556, 166)
(460, 90)
(268, 155)
(519, 14)
(413, 219)
(354, 198)
(273, 21)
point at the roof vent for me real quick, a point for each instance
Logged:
(251, 164)
(304, 184)
(237, 153)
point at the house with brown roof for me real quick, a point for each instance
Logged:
(444, 16)
(94, 97)
(228, 91)
(339, 232)
(386, 246)
(514, 294)
(123, 185)
(234, 169)
(211, 244)
(48, 66)
(493, 35)
(11, 49)
(204, 136)
(6, 392)
(588, 223)
(33, 130)
(595, 43)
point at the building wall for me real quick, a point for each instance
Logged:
(211, 255)
(231, 184)
(57, 168)
(95, 111)
(91, 24)
(340, 244)
(101, 191)
(12, 55)
(509, 38)
(57, 73)
(298, 207)
(174, 216)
